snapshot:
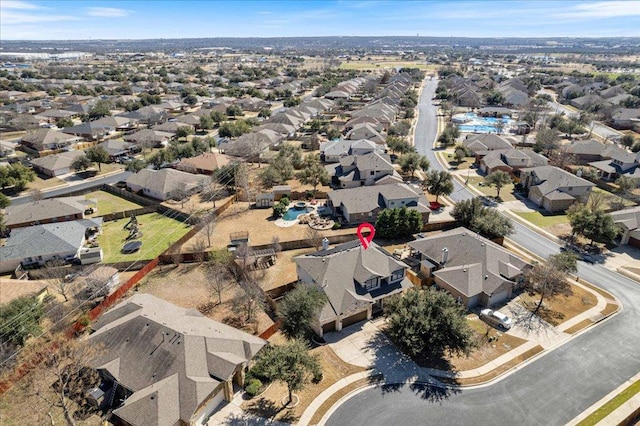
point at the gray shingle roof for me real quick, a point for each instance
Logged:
(37, 211)
(170, 357)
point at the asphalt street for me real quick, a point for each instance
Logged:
(59, 192)
(551, 390)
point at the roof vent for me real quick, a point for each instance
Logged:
(445, 255)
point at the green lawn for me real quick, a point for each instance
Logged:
(506, 192)
(610, 406)
(109, 203)
(158, 232)
(543, 221)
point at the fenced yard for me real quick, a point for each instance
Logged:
(110, 203)
(158, 233)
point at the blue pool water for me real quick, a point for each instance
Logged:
(471, 122)
(293, 213)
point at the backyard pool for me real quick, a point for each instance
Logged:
(294, 212)
(472, 123)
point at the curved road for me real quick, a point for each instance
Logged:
(552, 390)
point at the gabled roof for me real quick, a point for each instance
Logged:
(628, 218)
(170, 357)
(165, 181)
(57, 161)
(43, 137)
(365, 199)
(474, 264)
(341, 271)
(551, 178)
(37, 211)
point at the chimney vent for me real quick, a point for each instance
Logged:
(325, 244)
(445, 255)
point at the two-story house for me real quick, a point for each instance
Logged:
(620, 163)
(554, 189)
(333, 151)
(475, 270)
(511, 160)
(362, 170)
(363, 204)
(355, 280)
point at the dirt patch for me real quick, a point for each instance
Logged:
(493, 344)
(560, 309)
(269, 404)
(559, 230)
(186, 286)
(284, 270)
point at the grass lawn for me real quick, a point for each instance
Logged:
(611, 405)
(612, 198)
(41, 183)
(543, 221)
(506, 192)
(560, 309)
(158, 232)
(109, 203)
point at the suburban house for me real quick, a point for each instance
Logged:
(355, 280)
(43, 140)
(56, 164)
(365, 131)
(253, 145)
(511, 160)
(587, 151)
(475, 270)
(117, 148)
(50, 210)
(333, 151)
(90, 131)
(149, 138)
(165, 184)
(166, 365)
(363, 204)
(205, 163)
(620, 163)
(554, 189)
(39, 244)
(362, 170)
(626, 119)
(480, 144)
(628, 221)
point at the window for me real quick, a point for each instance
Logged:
(372, 173)
(372, 284)
(397, 275)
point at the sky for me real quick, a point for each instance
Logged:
(95, 19)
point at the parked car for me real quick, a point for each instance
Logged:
(495, 318)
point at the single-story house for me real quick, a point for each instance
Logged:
(117, 148)
(165, 184)
(363, 204)
(39, 244)
(554, 189)
(205, 163)
(481, 143)
(166, 365)
(628, 221)
(47, 140)
(56, 164)
(475, 270)
(50, 210)
(355, 280)
(149, 138)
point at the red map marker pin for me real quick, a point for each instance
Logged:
(366, 240)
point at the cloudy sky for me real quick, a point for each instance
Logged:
(47, 20)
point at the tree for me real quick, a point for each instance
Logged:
(398, 144)
(290, 363)
(547, 281)
(547, 141)
(439, 182)
(579, 218)
(428, 323)
(99, 155)
(19, 319)
(183, 131)
(466, 210)
(218, 117)
(81, 163)
(498, 179)
(602, 228)
(16, 175)
(299, 309)
(264, 113)
(494, 98)
(61, 380)
(217, 278)
(135, 165)
(313, 237)
(206, 122)
(449, 135)
(313, 173)
(234, 111)
(4, 201)
(398, 222)
(101, 109)
(250, 301)
(485, 221)
(281, 207)
(413, 161)
(564, 261)
(627, 140)
(626, 184)
(64, 122)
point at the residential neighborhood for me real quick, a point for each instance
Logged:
(318, 230)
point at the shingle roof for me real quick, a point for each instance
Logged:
(629, 218)
(57, 161)
(365, 199)
(37, 211)
(474, 264)
(170, 357)
(165, 181)
(340, 271)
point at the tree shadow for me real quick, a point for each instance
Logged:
(265, 410)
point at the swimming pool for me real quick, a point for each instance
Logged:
(293, 213)
(472, 123)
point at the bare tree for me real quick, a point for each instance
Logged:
(598, 200)
(60, 381)
(199, 250)
(218, 279)
(548, 281)
(57, 280)
(250, 301)
(275, 243)
(314, 238)
(209, 227)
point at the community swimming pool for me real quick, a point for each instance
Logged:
(472, 123)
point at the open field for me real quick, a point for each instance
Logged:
(109, 203)
(158, 233)
(543, 221)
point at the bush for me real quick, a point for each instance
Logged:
(253, 387)
(336, 225)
